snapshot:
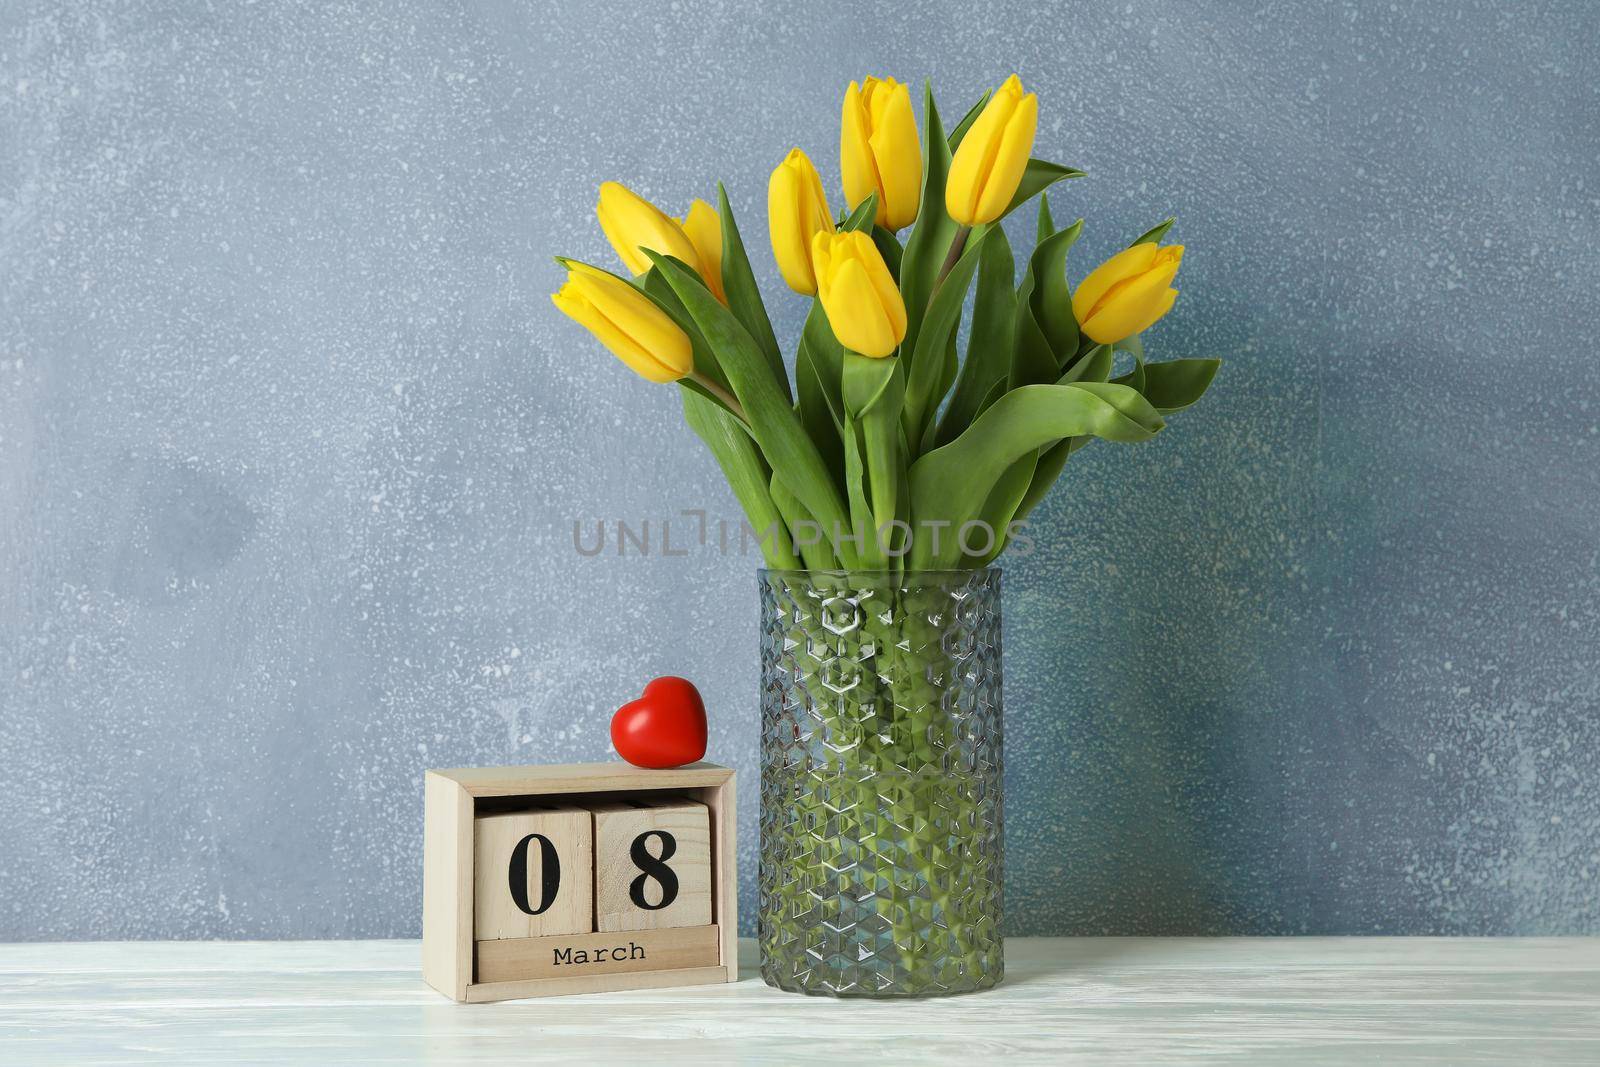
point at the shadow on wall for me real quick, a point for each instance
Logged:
(183, 525)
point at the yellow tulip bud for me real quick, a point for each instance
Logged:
(633, 224)
(990, 161)
(858, 293)
(704, 227)
(797, 210)
(1127, 293)
(627, 322)
(879, 151)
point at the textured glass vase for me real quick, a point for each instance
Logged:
(881, 803)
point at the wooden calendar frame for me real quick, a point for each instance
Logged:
(452, 798)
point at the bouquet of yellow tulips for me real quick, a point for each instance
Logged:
(889, 435)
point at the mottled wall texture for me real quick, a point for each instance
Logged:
(292, 441)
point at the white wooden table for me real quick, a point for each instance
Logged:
(1102, 1000)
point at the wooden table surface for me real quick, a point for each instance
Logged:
(1095, 1000)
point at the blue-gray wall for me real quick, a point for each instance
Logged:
(291, 440)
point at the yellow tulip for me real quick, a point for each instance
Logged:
(633, 224)
(627, 322)
(879, 151)
(990, 161)
(858, 293)
(1127, 293)
(704, 228)
(797, 210)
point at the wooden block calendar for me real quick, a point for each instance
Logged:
(542, 880)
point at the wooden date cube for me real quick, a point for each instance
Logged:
(533, 873)
(477, 963)
(652, 864)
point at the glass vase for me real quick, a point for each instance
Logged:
(881, 807)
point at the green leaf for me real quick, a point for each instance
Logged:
(966, 122)
(989, 347)
(705, 360)
(1001, 505)
(747, 474)
(861, 218)
(1046, 225)
(865, 382)
(889, 248)
(1051, 299)
(952, 483)
(816, 415)
(815, 551)
(1133, 346)
(1037, 358)
(788, 450)
(930, 238)
(1175, 384)
(855, 480)
(1132, 406)
(1095, 366)
(700, 390)
(827, 356)
(1033, 362)
(1040, 175)
(1154, 234)
(949, 367)
(928, 362)
(874, 391)
(996, 391)
(744, 297)
(1046, 470)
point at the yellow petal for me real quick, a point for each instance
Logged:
(629, 309)
(576, 306)
(1156, 310)
(627, 251)
(822, 260)
(629, 323)
(797, 209)
(704, 227)
(876, 94)
(1011, 160)
(631, 223)
(1169, 298)
(783, 226)
(1140, 288)
(1133, 303)
(897, 153)
(1121, 320)
(882, 282)
(857, 317)
(863, 305)
(816, 203)
(975, 156)
(857, 168)
(1120, 267)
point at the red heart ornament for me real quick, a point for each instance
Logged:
(665, 727)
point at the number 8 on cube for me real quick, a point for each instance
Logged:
(652, 864)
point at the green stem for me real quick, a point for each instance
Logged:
(727, 399)
(957, 243)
